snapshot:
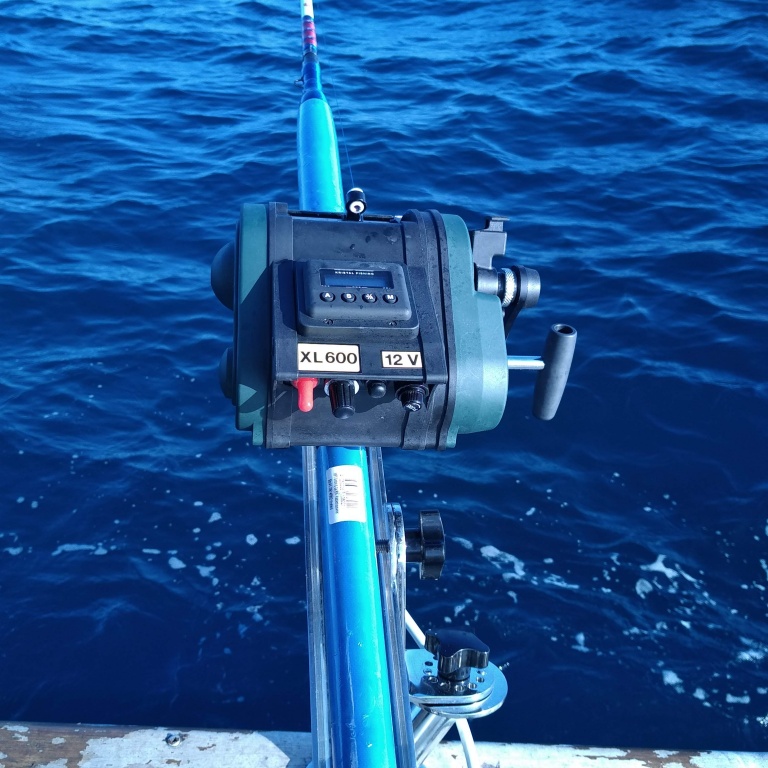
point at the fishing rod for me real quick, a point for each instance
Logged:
(320, 186)
(353, 332)
(349, 678)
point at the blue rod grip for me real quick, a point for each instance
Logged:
(362, 729)
(551, 381)
(319, 169)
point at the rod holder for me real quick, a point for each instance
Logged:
(551, 381)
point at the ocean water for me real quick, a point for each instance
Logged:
(614, 559)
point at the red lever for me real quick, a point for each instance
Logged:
(306, 389)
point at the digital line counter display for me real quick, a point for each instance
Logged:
(334, 295)
(353, 278)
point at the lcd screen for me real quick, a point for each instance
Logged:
(356, 279)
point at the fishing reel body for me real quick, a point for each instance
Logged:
(375, 331)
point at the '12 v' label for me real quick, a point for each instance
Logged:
(402, 359)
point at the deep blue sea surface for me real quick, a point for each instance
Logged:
(615, 559)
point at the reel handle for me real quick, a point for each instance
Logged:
(551, 381)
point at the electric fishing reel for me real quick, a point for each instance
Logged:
(371, 330)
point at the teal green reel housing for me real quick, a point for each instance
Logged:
(373, 331)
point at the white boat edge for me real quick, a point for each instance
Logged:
(24, 745)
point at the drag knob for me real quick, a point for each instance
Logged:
(426, 544)
(458, 652)
(223, 275)
(342, 396)
(412, 396)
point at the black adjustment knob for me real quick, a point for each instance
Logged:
(426, 545)
(377, 389)
(458, 652)
(412, 396)
(342, 396)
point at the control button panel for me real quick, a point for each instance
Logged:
(353, 294)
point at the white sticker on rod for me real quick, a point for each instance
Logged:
(346, 494)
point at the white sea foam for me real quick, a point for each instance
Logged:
(176, 564)
(753, 654)
(74, 548)
(293, 540)
(206, 571)
(459, 608)
(659, 567)
(643, 587)
(580, 644)
(673, 679)
(558, 581)
(499, 558)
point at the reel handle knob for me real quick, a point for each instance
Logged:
(551, 381)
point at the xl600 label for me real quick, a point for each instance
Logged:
(335, 358)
